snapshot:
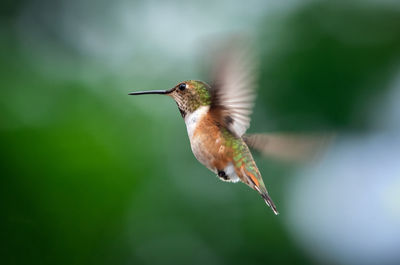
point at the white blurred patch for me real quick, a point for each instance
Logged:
(347, 209)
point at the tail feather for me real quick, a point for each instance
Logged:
(269, 202)
(264, 194)
(257, 183)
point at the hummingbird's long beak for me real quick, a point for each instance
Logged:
(159, 92)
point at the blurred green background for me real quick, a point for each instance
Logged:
(90, 175)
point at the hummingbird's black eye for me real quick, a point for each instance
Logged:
(182, 87)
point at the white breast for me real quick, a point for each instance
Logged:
(192, 119)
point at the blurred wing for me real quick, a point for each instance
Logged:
(233, 88)
(291, 147)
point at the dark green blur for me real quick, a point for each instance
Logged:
(88, 176)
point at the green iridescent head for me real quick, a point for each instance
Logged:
(188, 95)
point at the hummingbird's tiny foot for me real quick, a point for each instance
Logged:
(222, 175)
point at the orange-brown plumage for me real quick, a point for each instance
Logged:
(209, 133)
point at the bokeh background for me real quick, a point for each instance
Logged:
(89, 175)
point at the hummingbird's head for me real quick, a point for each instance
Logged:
(188, 95)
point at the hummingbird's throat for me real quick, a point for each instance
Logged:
(183, 113)
(187, 103)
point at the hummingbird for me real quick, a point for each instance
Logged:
(217, 117)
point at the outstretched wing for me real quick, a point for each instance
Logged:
(292, 147)
(233, 88)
